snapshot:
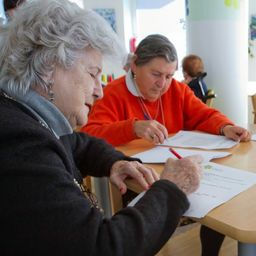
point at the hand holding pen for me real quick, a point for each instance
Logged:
(184, 172)
(150, 130)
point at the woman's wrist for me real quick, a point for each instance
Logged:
(222, 129)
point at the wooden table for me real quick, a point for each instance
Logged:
(237, 217)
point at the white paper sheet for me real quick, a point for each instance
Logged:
(253, 136)
(218, 185)
(160, 154)
(137, 198)
(199, 140)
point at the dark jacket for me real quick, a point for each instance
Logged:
(199, 87)
(43, 211)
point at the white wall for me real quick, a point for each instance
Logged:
(129, 21)
(117, 5)
(124, 25)
(220, 38)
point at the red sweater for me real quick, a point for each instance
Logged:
(113, 116)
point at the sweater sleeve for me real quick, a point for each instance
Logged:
(150, 223)
(109, 118)
(198, 116)
(93, 156)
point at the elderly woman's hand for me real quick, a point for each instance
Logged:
(236, 133)
(120, 170)
(150, 130)
(185, 173)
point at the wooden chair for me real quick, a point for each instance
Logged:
(210, 97)
(88, 182)
(253, 97)
(198, 86)
(115, 198)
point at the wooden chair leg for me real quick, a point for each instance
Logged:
(115, 198)
(88, 182)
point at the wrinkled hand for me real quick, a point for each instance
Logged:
(144, 175)
(185, 173)
(151, 130)
(236, 133)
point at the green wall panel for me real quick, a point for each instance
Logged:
(212, 9)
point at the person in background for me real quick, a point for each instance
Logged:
(193, 71)
(149, 103)
(51, 56)
(192, 67)
(10, 6)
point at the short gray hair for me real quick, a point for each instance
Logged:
(45, 33)
(154, 46)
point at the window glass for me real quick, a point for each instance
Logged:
(168, 21)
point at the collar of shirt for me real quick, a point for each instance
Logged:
(131, 85)
(45, 111)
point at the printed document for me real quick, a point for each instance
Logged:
(161, 154)
(199, 140)
(218, 185)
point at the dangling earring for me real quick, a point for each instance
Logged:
(50, 91)
(134, 76)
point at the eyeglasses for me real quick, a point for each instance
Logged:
(89, 195)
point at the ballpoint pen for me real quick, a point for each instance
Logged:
(175, 153)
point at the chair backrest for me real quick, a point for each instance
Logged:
(253, 97)
(199, 87)
(210, 97)
(200, 90)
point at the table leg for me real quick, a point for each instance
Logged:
(245, 249)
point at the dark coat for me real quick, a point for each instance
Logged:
(43, 211)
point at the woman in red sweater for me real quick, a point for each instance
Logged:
(149, 103)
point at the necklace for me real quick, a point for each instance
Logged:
(3, 93)
(144, 108)
(89, 195)
(146, 112)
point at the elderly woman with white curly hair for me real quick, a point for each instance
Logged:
(50, 64)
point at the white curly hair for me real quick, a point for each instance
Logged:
(45, 33)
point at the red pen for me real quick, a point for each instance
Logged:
(175, 153)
